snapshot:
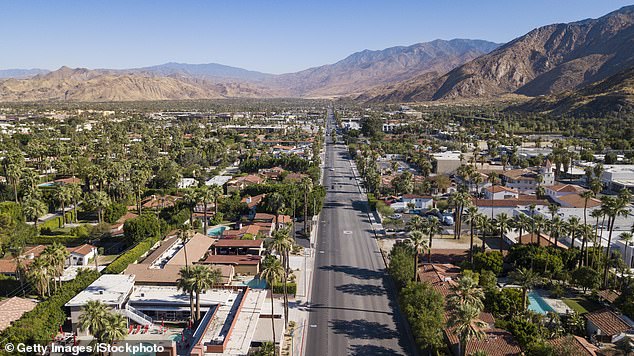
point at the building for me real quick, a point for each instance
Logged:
(243, 264)
(218, 180)
(606, 326)
(238, 184)
(187, 183)
(526, 180)
(617, 177)
(238, 247)
(496, 192)
(117, 228)
(573, 345)
(12, 309)
(446, 162)
(81, 255)
(418, 201)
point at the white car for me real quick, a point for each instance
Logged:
(332, 169)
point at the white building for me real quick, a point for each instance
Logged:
(81, 255)
(187, 183)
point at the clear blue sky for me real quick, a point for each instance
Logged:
(269, 36)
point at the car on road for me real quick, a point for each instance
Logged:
(396, 216)
(332, 169)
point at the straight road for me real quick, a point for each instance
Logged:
(352, 305)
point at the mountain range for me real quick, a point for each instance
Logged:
(557, 61)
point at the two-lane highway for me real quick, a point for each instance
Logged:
(352, 309)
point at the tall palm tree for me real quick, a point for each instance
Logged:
(586, 195)
(573, 226)
(272, 274)
(62, 195)
(115, 328)
(184, 283)
(205, 196)
(75, 194)
(431, 228)
(39, 275)
(614, 207)
(483, 223)
(419, 242)
(55, 256)
(527, 279)
(503, 223)
(33, 209)
(467, 325)
(555, 227)
(282, 244)
(138, 179)
(202, 279)
(306, 185)
(627, 238)
(466, 291)
(472, 212)
(93, 318)
(459, 200)
(596, 214)
(216, 192)
(522, 224)
(539, 222)
(98, 201)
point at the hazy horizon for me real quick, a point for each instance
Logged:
(275, 38)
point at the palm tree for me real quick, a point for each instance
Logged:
(306, 186)
(522, 224)
(539, 222)
(205, 196)
(13, 171)
(271, 274)
(472, 212)
(93, 318)
(115, 328)
(275, 201)
(459, 200)
(527, 279)
(75, 194)
(627, 238)
(33, 209)
(416, 223)
(586, 195)
(432, 227)
(614, 207)
(55, 256)
(216, 192)
(282, 243)
(138, 179)
(63, 195)
(203, 278)
(556, 225)
(553, 209)
(417, 239)
(98, 201)
(503, 223)
(466, 291)
(184, 283)
(39, 275)
(596, 214)
(483, 223)
(467, 325)
(573, 226)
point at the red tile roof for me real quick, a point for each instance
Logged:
(500, 188)
(608, 322)
(12, 309)
(573, 345)
(84, 249)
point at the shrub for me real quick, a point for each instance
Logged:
(132, 255)
(113, 212)
(291, 288)
(44, 320)
(401, 267)
(142, 227)
(489, 260)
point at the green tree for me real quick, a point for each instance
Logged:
(115, 328)
(33, 209)
(525, 278)
(586, 277)
(466, 291)
(417, 238)
(272, 274)
(466, 325)
(203, 278)
(94, 318)
(63, 195)
(401, 264)
(424, 308)
(185, 283)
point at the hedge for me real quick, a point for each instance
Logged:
(132, 255)
(38, 325)
(56, 222)
(372, 200)
(291, 288)
(66, 240)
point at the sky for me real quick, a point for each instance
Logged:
(268, 36)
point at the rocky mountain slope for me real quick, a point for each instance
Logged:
(611, 96)
(174, 81)
(366, 69)
(547, 60)
(104, 85)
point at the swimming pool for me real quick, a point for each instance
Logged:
(216, 231)
(537, 304)
(255, 283)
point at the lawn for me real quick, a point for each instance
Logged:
(581, 304)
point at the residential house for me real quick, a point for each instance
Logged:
(606, 326)
(116, 229)
(238, 184)
(573, 345)
(496, 192)
(81, 255)
(12, 309)
(187, 183)
(525, 180)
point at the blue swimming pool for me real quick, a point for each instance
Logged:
(216, 231)
(255, 283)
(537, 304)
